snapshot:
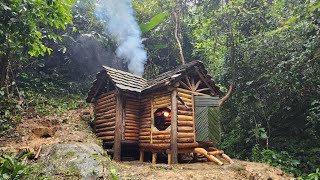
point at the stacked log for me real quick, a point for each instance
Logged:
(161, 100)
(161, 137)
(186, 132)
(131, 131)
(105, 116)
(145, 120)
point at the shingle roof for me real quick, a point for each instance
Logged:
(126, 81)
(129, 82)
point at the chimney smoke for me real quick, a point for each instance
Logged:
(121, 25)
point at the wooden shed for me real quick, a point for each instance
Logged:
(174, 113)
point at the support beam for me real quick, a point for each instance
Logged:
(141, 156)
(174, 129)
(118, 129)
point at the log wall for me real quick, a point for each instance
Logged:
(186, 128)
(145, 120)
(131, 119)
(105, 116)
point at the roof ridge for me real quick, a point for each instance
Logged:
(124, 72)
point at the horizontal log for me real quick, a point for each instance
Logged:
(161, 133)
(106, 101)
(184, 95)
(185, 129)
(135, 124)
(185, 118)
(160, 136)
(108, 124)
(100, 121)
(187, 103)
(132, 115)
(145, 129)
(132, 138)
(162, 97)
(185, 123)
(167, 145)
(144, 133)
(185, 140)
(192, 92)
(136, 131)
(132, 127)
(186, 100)
(214, 153)
(112, 128)
(161, 94)
(132, 112)
(131, 134)
(182, 107)
(106, 138)
(159, 102)
(185, 135)
(106, 94)
(160, 141)
(144, 141)
(187, 113)
(98, 107)
(145, 125)
(144, 137)
(106, 112)
(107, 109)
(146, 115)
(107, 116)
(162, 106)
(106, 133)
(106, 97)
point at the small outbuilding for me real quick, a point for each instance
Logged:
(174, 113)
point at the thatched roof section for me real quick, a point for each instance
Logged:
(125, 81)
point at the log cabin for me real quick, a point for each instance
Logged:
(174, 113)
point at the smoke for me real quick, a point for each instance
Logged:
(121, 25)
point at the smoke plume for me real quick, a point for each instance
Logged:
(121, 25)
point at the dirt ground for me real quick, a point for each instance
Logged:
(73, 127)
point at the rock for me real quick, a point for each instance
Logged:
(80, 160)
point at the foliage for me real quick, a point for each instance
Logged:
(315, 175)
(145, 27)
(11, 168)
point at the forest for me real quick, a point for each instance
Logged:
(263, 54)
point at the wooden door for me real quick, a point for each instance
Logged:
(207, 119)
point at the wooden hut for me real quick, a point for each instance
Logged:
(174, 113)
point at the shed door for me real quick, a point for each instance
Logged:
(207, 119)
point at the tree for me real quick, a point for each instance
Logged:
(23, 28)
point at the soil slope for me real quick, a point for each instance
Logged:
(73, 128)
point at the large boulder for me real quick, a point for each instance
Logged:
(80, 160)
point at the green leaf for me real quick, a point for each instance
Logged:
(156, 20)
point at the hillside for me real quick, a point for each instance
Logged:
(71, 133)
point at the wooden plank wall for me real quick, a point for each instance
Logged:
(186, 131)
(131, 128)
(105, 110)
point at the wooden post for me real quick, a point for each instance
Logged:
(118, 130)
(141, 156)
(174, 124)
(169, 158)
(154, 158)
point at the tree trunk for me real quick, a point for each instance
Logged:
(177, 22)
(4, 81)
